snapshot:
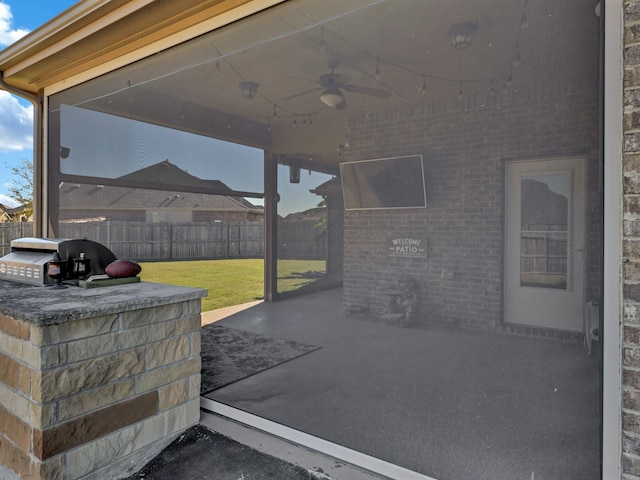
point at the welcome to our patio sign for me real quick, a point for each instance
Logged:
(407, 247)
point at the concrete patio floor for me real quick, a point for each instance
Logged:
(446, 402)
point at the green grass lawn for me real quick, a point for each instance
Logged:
(230, 282)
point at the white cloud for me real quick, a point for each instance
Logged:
(16, 124)
(7, 201)
(8, 34)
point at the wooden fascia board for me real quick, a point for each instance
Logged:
(38, 42)
(189, 23)
(43, 35)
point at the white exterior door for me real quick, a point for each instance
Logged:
(545, 241)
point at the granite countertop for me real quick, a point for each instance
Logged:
(48, 305)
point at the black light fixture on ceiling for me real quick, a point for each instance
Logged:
(462, 33)
(294, 173)
(249, 89)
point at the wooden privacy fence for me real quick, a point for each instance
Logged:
(183, 241)
(173, 241)
(12, 230)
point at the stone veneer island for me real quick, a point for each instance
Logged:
(95, 382)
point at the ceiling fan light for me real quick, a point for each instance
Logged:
(331, 97)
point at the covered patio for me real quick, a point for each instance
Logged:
(446, 159)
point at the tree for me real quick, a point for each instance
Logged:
(21, 186)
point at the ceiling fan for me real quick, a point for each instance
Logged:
(332, 86)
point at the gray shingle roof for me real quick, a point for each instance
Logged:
(75, 196)
(106, 197)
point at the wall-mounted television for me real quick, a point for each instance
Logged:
(396, 182)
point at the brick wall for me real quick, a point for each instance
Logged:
(97, 397)
(464, 144)
(631, 245)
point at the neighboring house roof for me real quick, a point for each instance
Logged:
(106, 197)
(167, 173)
(10, 213)
(75, 196)
(311, 215)
(332, 185)
(12, 210)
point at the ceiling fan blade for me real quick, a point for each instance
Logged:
(374, 92)
(306, 92)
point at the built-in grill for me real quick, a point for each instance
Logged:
(29, 257)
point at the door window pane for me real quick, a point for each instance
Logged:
(543, 236)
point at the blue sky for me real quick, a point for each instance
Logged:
(17, 18)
